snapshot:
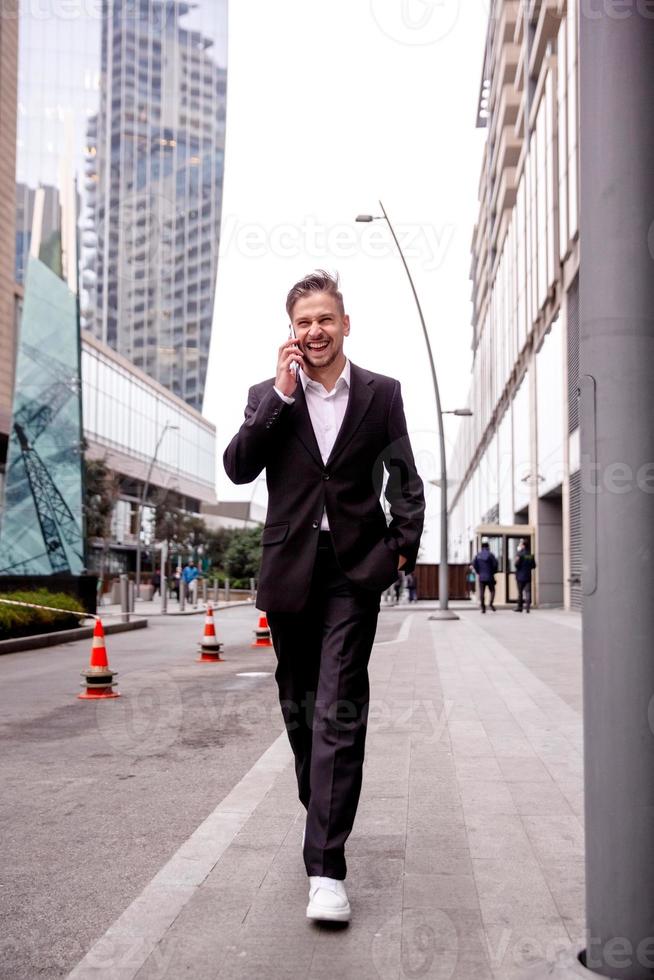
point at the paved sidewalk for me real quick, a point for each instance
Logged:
(466, 860)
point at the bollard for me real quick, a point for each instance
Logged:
(205, 587)
(252, 590)
(124, 599)
(226, 590)
(131, 592)
(182, 595)
(163, 584)
(215, 590)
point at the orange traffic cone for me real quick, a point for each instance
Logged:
(210, 647)
(99, 676)
(262, 633)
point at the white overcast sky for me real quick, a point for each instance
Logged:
(332, 106)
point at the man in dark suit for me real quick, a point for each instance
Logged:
(326, 431)
(485, 564)
(524, 565)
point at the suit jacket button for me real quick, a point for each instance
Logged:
(325, 476)
(315, 524)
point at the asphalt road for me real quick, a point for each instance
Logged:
(97, 796)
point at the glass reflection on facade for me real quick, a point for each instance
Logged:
(123, 413)
(129, 95)
(58, 91)
(154, 175)
(41, 530)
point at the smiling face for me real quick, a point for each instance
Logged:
(320, 328)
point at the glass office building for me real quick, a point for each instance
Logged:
(126, 415)
(129, 96)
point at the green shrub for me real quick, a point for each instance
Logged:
(20, 621)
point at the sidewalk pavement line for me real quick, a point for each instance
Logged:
(402, 636)
(570, 619)
(121, 952)
(405, 629)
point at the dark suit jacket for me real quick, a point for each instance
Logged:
(373, 437)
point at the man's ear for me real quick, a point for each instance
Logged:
(346, 325)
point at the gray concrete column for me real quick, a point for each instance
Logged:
(617, 446)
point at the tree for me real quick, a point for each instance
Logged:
(102, 491)
(177, 527)
(216, 544)
(169, 519)
(243, 554)
(195, 532)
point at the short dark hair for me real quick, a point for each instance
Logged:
(316, 282)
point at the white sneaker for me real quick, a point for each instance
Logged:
(328, 900)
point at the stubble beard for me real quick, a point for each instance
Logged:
(321, 364)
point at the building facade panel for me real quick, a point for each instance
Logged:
(505, 463)
(8, 292)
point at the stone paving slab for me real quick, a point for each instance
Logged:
(466, 860)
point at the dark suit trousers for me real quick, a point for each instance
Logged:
(322, 675)
(482, 593)
(524, 594)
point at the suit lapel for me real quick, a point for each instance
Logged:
(361, 395)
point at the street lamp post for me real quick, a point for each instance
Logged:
(146, 487)
(443, 584)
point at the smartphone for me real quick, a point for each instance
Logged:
(295, 367)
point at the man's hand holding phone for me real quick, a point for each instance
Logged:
(288, 366)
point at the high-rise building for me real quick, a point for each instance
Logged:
(8, 289)
(154, 172)
(130, 98)
(515, 467)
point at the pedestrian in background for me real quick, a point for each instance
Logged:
(397, 588)
(524, 565)
(325, 430)
(189, 579)
(485, 565)
(412, 585)
(156, 583)
(471, 581)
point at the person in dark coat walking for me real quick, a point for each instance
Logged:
(485, 565)
(524, 565)
(325, 430)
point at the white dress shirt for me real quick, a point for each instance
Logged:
(326, 411)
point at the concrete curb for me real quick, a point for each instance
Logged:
(40, 640)
(201, 610)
